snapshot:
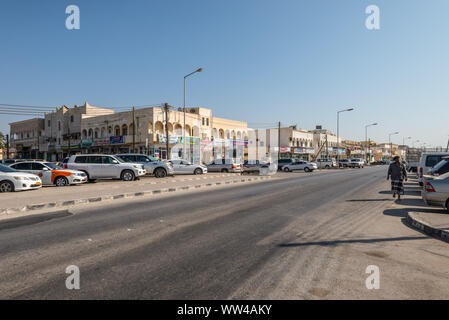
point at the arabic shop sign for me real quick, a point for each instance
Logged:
(116, 139)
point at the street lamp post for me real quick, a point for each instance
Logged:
(366, 140)
(391, 144)
(338, 133)
(184, 131)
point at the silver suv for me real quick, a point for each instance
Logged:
(101, 166)
(152, 166)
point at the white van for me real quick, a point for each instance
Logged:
(101, 166)
(427, 162)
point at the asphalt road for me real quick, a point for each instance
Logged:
(299, 237)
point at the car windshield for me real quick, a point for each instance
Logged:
(6, 169)
(52, 166)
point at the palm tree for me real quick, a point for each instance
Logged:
(2, 141)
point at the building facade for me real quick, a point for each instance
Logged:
(25, 137)
(89, 129)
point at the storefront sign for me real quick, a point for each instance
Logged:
(86, 143)
(116, 139)
(101, 142)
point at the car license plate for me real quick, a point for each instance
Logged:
(38, 183)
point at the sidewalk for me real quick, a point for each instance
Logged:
(434, 222)
(51, 197)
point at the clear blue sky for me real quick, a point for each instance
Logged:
(294, 61)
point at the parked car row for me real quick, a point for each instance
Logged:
(428, 162)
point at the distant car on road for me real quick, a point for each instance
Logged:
(436, 191)
(326, 163)
(100, 166)
(300, 165)
(13, 180)
(223, 165)
(427, 162)
(50, 173)
(357, 163)
(185, 167)
(378, 163)
(159, 169)
(345, 163)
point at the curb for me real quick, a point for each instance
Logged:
(140, 194)
(426, 228)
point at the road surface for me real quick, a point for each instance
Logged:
(303, 236)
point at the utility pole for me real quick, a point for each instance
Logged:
(447, 148)
(7, 146)
(134, 129)
(279, 141)
(166, 107)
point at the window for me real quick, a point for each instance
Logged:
(71, 118)
(207, 122)
(37, 166)
(202, 121)
(81, 159)
(433, 160)
(143, 159)
(108, 160)
(6, 169)
(22, 166)
(48, 123)
(94, 159)
(59, 125)
(128, 158)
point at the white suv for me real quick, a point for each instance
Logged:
(101, 166)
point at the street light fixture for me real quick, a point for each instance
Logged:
(338, 133)
(391, 144)
(366, 139)
(184, 131)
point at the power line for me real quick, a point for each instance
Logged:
(25, 106)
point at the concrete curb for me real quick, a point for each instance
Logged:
(424, 227)
(139, 194)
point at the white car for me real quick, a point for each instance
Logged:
(13, 180)
(185, 167)
(427, 162)
(300, 165)
(102, 166)
(326, 163)
(50, 173)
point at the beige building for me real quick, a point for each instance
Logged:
(326, 143)
(144, 131)
(25, 136)
(89, 129)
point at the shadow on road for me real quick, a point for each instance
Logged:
(338, 242)
(407, 192)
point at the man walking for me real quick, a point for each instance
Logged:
(398, 173)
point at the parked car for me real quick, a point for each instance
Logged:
(255, 166)
(185, 167)
(326, 163)
(50, 173)
(100, 166)
(13, 180)
(224, 165)
(436, 191)
(283, 162)
(345, 163)
(440, 168)
(159, 169)
(300, 165)
(357, 163)
(378, 163)
(427, 162)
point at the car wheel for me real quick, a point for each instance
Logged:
(128, 175)
(61, 181)
(224, 170)
(6, 186)
(198, 171)
(327, 167)
(286, 169)
(160, 173)
(306, 169)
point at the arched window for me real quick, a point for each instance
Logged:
(124, 130)
(117, 130)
